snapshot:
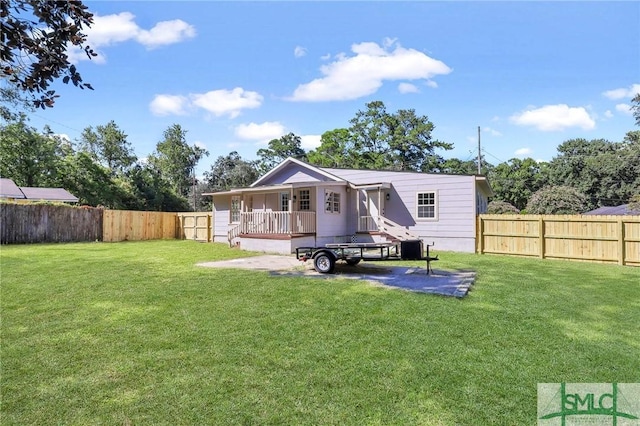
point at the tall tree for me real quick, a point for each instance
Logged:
(516, 180)
(333, 150)
(289, 145)
(399, 141)
(635, 108)
(28, 157)
(35, 39)
(109, 146)
(229, 172)
(557, 200)
(176, 159)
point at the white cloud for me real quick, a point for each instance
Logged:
(352, 77)
(227, 102)
(299, 51)
(169, 105)
(326, 57)
(117, 28)
(555, 117)
(407, 88)
(263, 132)
(309, 142)
(623, 92)
(523, 151)
(432, 84)
(608, 114)
(491, 131)
(624, 108)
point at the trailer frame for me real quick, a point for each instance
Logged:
(325, 258)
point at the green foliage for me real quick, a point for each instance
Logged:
(278, 150)
(634, 204)
(230, 172)
(557, 200)
(35, 39)
(501, 207)
(28, 157)
(108, 145)
(333, 150)
(399, 141)
(456, 166)
(176, 160)
(516, 180)
(635, 107)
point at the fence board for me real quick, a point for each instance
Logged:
(127, 225)
(47, 223)
(609, 239)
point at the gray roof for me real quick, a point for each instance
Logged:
(49, 194)
(613, 210)
(8, 189)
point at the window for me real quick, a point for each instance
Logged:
(426, 205)
(305, 199)
(284, 201)
(235, 209)
(332, 202)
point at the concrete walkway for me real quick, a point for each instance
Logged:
(447, 283)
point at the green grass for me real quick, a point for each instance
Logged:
(135, 333)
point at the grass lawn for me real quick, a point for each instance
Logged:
(135, 333)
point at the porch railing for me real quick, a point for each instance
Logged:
(277, 222)
(385, 225)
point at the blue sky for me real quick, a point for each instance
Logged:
(238, 74)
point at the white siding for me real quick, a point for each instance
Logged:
(331, 224)
(454, 228)
(293, 173)
(221, 218)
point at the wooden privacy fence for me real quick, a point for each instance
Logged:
(608, 239)
(195, 226)
(128, 225)
(47, 223)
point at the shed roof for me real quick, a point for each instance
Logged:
(613, 210)
(8, 189)
(49, 194)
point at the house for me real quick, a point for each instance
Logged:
(10, 191)
(613, 210)
(296, 204)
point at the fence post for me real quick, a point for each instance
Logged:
(480, 234)
(621, 241)
(541, 236)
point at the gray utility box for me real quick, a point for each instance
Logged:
(411, 250)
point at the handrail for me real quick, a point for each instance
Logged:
(394, 229)
(233, 233)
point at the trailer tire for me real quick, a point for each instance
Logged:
(324, 263)
(353, 262)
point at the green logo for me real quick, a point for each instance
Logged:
(588, 404)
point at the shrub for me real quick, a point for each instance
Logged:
(557, 200)
(501, 207)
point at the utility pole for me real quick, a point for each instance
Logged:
(479, 154)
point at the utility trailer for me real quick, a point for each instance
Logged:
(325, 258)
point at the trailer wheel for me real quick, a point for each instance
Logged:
(324, 263)
(353, 262)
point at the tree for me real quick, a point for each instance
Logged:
(35, 39)
(28, 157)
(149, 191)
(608, 173)
(230, 172)
(634, 204)
(400, 141)
(516, 180)
(557, 200)
(278, 150)
(636, 108)
(333, 150)
(109, 146)
(456, 166)
(176, 160)
(501, 207)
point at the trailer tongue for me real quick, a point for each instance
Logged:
(325, 258)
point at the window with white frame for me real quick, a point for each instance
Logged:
(426, 205)
(331, 201)
(305, 200)
(284, 201)
(235, 209)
